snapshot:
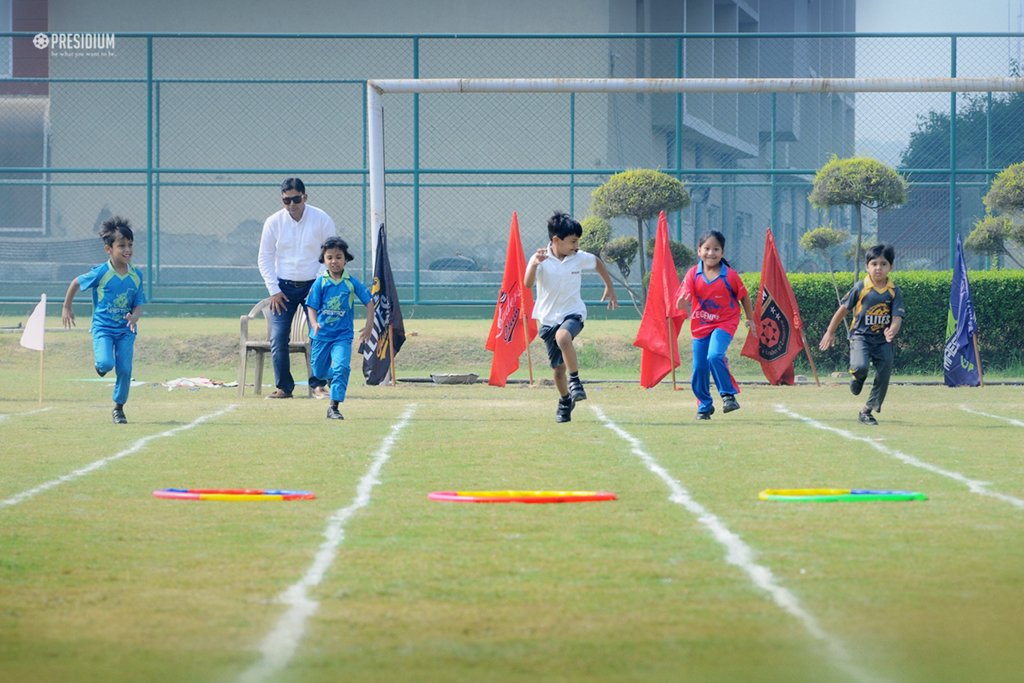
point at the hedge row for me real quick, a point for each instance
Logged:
(998, 298)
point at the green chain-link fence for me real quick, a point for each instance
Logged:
(190, 135)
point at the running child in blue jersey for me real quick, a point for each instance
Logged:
(878, 314)
(714, 293)
(330, 306)
(117, 299)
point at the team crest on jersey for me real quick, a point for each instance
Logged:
(773, 337)
(878, 317)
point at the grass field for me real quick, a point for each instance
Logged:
(686, 577)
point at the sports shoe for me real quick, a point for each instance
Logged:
(277, 393)
(321, 393)
(705, 414)
(729, 403)
(576, 389)
(564, 411)
(856, 385)
(118, 415)
(866, 418)
(333, 414)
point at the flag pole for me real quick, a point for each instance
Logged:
(41, 378)
(671, 354)
(810, 360)
(390, 352)
(977, 359)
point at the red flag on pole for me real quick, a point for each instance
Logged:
(507, 339)
(658, 336)
(779, 337)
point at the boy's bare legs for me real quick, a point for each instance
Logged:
(564, 341)
(561, 380)
(573, 383)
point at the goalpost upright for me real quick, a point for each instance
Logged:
(376, 89)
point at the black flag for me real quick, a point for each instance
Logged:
(388, 330)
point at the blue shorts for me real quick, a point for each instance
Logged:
(573, 324)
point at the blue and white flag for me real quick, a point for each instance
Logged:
(959, 361)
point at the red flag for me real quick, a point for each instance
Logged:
(659, 343)
(779, 338)
(515, 304)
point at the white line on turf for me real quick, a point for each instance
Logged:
(27, 412)
(281, 643)
(1010, 420)
(973, 485)
(93, 466)
(739, 553)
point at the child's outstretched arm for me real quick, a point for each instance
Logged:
(364, 334)
(829, 338)
(314, 324)
(682, 302)
(748, 311)
(609, 290)
(893, 329)
(531, 268)
(133, 318)
(67, 315)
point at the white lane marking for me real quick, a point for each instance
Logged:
(973, 485)
(95, 465)
(1010, 420)
(740, 554)
(27, 412)
(280, 644)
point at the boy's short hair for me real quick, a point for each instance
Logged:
(335, 243)
(886, 251)
(112, 227)
(293, 184)
(561, 225)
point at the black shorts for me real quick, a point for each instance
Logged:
(572, 324)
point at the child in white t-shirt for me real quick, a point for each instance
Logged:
(558, 272)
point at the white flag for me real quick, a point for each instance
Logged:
(32, 337)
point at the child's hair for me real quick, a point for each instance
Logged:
(293, 184)
(886, 251)
(335, 243)
(561, 225)
(721, 242)
(114, 226)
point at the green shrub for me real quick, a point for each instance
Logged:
(998, 298)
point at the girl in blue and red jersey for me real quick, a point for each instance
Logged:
(713, 292)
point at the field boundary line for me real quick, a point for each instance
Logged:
(98, 464)
(738, 553)
(280, 644)
(1009, 420)
(973, 485)
(5, 416)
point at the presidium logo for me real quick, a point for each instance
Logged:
(76, 44)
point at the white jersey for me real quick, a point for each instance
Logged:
(558, 287)
(289, 249)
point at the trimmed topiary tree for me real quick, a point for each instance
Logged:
(640, 194)
(857, 181)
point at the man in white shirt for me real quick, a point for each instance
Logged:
(289, 262)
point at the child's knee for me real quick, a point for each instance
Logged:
(105, 365)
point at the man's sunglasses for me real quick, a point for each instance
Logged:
(297, 199)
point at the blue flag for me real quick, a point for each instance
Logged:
(958, 359)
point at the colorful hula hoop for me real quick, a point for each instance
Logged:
(233, 495)
(837, 495)
(521, 496)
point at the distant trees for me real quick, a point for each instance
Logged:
(857, 181)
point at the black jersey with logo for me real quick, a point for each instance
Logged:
(873, 308)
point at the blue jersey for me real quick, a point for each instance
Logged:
(114, 296)
(334, 302)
